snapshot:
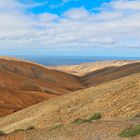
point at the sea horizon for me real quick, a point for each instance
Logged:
(68, 60)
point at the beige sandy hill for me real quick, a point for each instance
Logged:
(118, 98)
(96, 130)
(85, 68)
(109, 73)
(18, 76)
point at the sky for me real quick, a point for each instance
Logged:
(70, 27)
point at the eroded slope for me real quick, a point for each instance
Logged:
(118, 98)
(24, 83)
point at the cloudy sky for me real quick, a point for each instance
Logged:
(70, 27)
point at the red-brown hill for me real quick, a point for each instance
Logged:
(24, 83)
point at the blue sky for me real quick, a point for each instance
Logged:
(60, 6)
(70, 27)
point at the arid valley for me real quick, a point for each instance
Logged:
(91, 101)
(69, 69)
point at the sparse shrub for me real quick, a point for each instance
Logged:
(137, 115)
(21, 130)
(2, 133)
(18, 130)
(130, 132)
(30, 128)
(96, 116)
(55, 127)
(80, 121)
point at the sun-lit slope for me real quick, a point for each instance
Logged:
(97, 130)
(109, 73)
(22, 81)
(118, 98)
(86, 68)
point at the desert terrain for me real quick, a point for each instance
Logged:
(52, 105)
(86, 68)
(25, 83)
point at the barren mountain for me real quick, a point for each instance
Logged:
(109, 73)
(109, 92)
(85, 68)
(118, 102)
(24, 83)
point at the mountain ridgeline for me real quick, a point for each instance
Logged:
(24, 83)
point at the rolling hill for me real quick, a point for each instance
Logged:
(118, 102)
(85, 68)
(24, 83)
(31, 92)
(109, 73)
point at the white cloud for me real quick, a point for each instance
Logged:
(126, 5)
(116, 25)
(47, 17)
(77, 14)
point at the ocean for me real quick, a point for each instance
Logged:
(68, 60)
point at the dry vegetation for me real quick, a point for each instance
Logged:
(115, 99)
(108, 110)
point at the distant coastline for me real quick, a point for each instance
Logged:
(68, 60)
